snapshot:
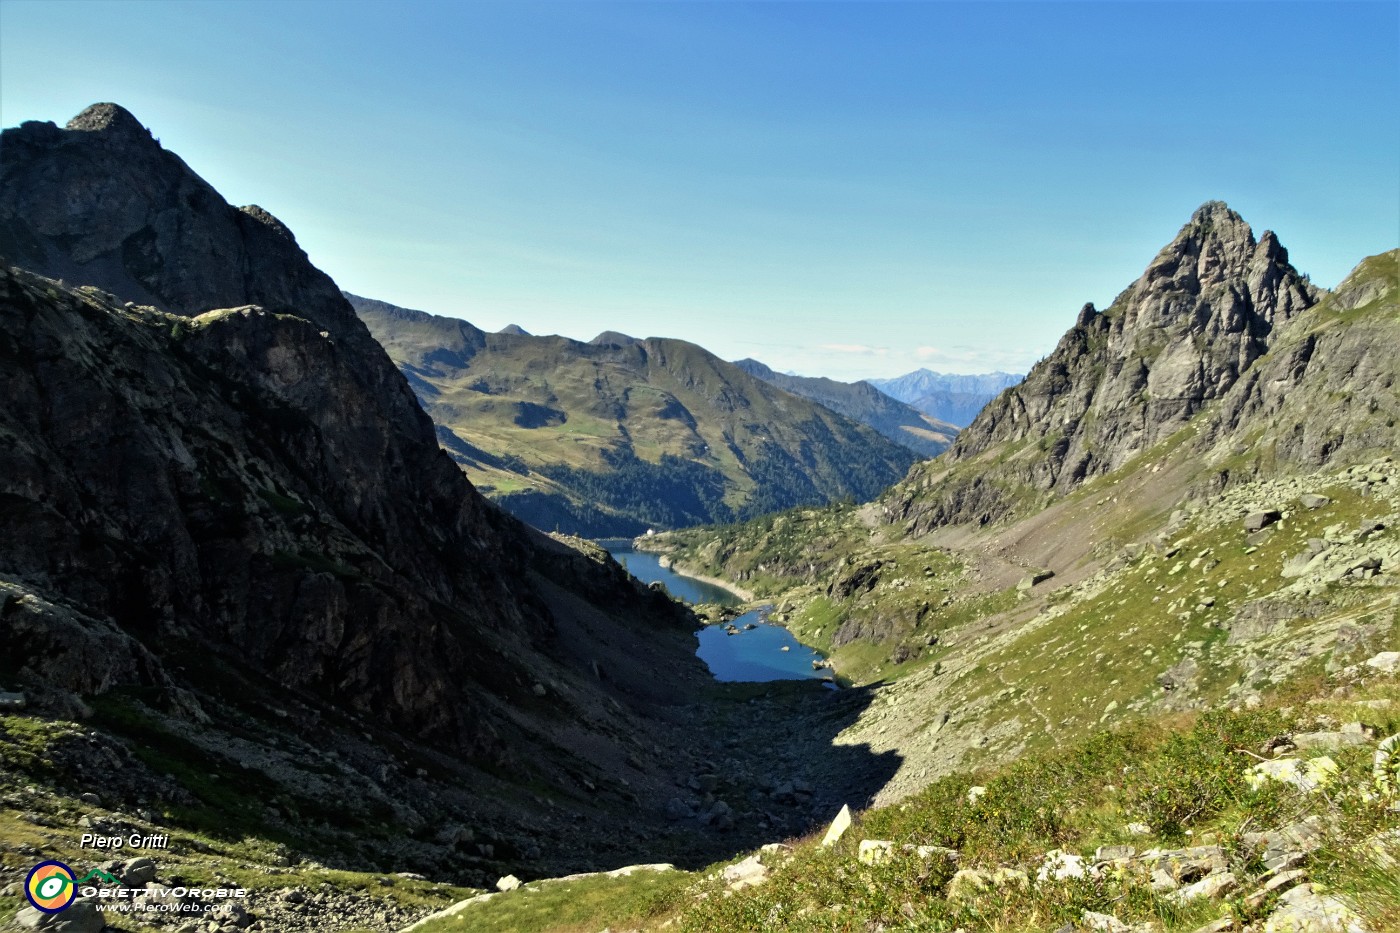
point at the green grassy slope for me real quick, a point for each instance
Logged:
(614, 437)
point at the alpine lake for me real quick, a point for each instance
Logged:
(748, 648)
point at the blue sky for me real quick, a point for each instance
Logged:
(844, 189)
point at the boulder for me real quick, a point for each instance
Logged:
(1303, 910)
(137, 872)
(838, 826)
(82, 916)
(749, 873)
(1328, 739)
(1184, 866)
(1059, 866)
(1387, 662)
(1258, 521)
(1286, 848)
(1113, 853)
(1103, 923)
(874, 851)
(1312, 500)
(1034, 578)
(230, 914)
(1307, 775)
(927, 852)
(1280, 882)
(1011, 878)
(1214, 885)
(507, 883)
(967, 882)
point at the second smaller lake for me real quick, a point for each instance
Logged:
(757, 654)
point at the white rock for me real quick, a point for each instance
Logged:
(1387, 662)
(1011, 878)
(507, 883)
(749, 873)
(874, 851)
(838, 826)
(966, 882)
(1106, 923)
(1301, 910)
(1060, 865)
(1307, 775)
(1215, 884)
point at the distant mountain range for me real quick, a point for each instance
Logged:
(618, 435)
(949, 397)
(901, 423)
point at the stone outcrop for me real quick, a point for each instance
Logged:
(1327, 390)
(1203, 313)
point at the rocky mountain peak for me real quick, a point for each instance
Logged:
(111, 119)
(101, 203)
(1218, 216)
(272, 223)
(614, 339)
(1179, 337)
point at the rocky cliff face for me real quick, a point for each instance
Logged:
(222, 457)
(1122, 380)
(1327, 390)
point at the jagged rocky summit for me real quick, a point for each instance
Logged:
(1208, 307)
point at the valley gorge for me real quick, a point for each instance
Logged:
(254, 599)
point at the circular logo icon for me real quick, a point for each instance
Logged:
(51, 887)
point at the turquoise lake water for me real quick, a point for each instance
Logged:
(753, 655)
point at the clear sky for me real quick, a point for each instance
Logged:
(844, 189)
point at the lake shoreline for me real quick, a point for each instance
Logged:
(681, 570)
